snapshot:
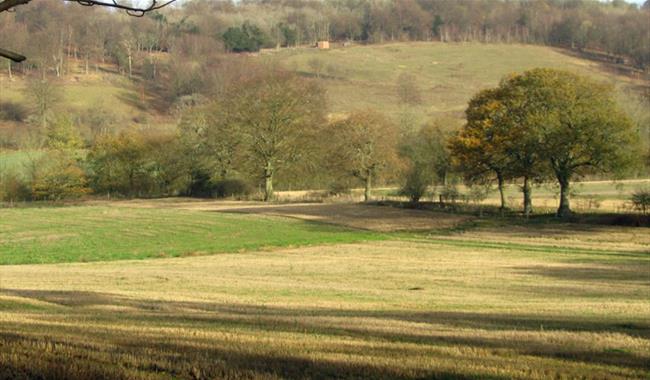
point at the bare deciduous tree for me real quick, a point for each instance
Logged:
(279, 115)
(364, 145)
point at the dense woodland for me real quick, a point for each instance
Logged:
(52, 32)
(245, 126)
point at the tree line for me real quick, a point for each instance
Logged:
(54, 33)
(271, 126)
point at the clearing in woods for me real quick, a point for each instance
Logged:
(412, 295)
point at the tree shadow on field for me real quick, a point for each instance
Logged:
(359, 216)
(212, 362)
(551, 226)
(419, 332)
(631, 274)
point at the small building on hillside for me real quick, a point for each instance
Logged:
(323, 45)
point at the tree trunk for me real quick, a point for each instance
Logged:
(500, 182)
(130, 65)
(565, 208)
(131, 183)
(528, 200)
(268, 182)
(368, 188)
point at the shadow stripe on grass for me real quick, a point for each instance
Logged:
(530, 248)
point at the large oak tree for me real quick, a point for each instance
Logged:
(279, 115)
(581, 128)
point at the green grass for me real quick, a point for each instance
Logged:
(72, 234)
(496, 300)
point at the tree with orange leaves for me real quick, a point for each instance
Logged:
(479, 149)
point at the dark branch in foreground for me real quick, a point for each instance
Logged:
(8, 4)
(131, 10)
(11, 55)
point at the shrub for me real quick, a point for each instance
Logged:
(247, 38)
(13, 188)
(226, 188)
(63, 134)
(338, 188)
(200, 184)
(10, 111)
(641, 200)
(59, 178)
(138, 164)
(417, 183)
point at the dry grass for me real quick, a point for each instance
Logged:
(558, 236)
(490, 301)
(448, 74)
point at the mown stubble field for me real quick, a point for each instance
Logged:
(460, 298)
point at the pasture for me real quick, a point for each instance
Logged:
(316, 291)
(448, 75)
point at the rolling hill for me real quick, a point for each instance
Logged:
(448, 74)
(357, 77)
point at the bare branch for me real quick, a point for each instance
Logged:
(137, 11)
(11, 55)
(8, 4)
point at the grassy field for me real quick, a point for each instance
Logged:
(448, 74)
(73, 234)
(80, 92)
(489, 299)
